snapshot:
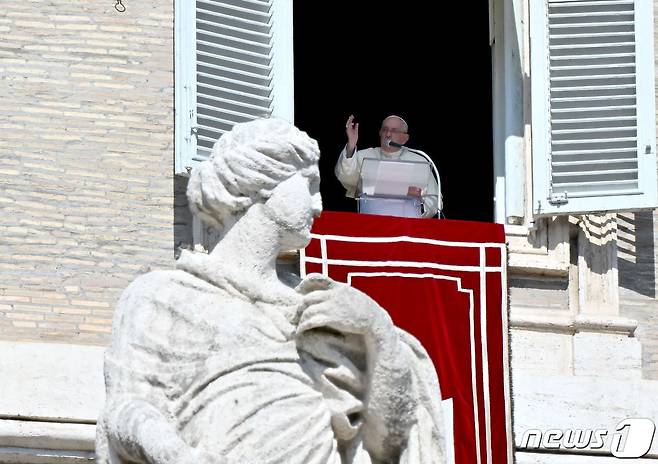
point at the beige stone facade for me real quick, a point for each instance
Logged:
(86, 156)
(88, 201)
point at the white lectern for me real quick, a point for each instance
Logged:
(393, 187)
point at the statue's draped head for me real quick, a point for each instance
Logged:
(245, 166)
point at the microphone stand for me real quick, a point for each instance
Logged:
(435, 171)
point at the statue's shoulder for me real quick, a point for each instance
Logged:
(156, 294)
(163, 286)
(161, 280)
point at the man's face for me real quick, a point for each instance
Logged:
(392, 129)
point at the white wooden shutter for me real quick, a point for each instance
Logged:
(593, 105)
(233, 64)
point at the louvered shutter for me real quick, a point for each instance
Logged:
(233, 64)
(593, 105)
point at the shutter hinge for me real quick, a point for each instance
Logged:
(558, 198)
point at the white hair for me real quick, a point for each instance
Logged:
(405, 126)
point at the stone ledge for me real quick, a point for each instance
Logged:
(46, 435)
(51, 382)
(44, 456)
(529, 319)
(576, 403)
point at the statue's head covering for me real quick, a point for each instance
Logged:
(245, 165)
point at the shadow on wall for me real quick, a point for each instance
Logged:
(182, 216)
(636, 258)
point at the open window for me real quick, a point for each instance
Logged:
(234, 62)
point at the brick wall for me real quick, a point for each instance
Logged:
(86, 156)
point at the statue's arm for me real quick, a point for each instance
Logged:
(136, 426)
(138, 432)
(389, 403)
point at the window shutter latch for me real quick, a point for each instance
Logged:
(194, 131)
(558, 198)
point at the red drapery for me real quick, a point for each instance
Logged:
(445, 283)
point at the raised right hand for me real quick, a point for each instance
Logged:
(352, 131)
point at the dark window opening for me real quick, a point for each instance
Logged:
(430, 65)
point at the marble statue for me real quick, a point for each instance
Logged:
(226, 361)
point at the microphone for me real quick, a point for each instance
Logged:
(390, 143)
